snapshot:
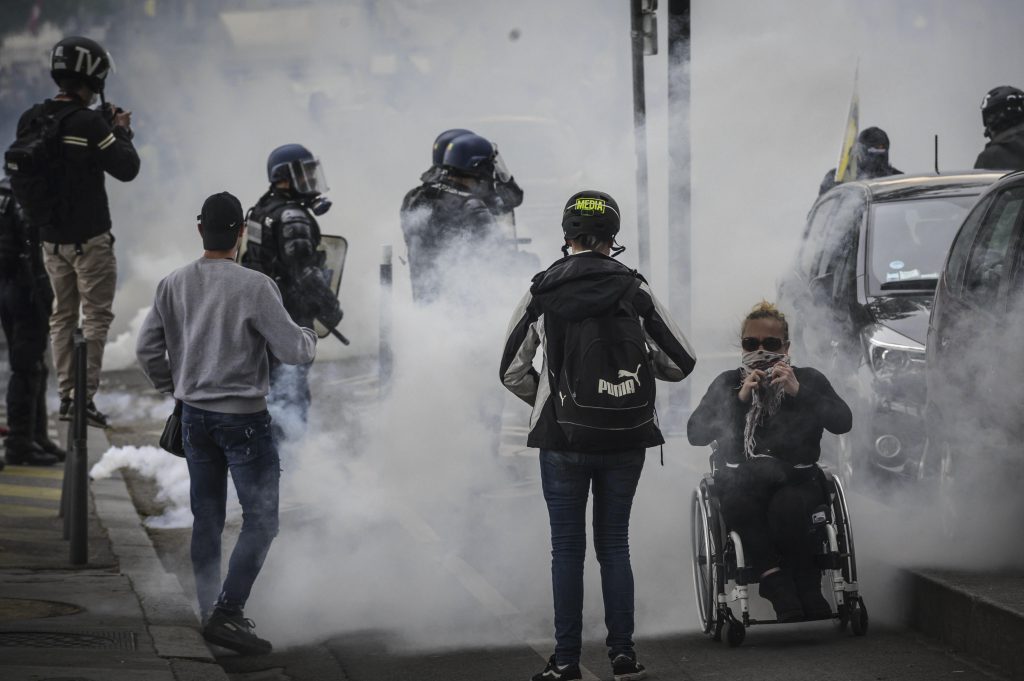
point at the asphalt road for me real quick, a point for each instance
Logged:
(482, 631)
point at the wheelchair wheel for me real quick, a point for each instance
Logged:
(705, 577)
(844, 531)
(858, 617)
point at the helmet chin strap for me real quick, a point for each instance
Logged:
(617, 250)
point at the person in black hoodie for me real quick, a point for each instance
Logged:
(586, 291)
(767, 418)
(1002, 113)
(78, 246)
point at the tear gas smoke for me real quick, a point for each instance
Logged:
(403, 516)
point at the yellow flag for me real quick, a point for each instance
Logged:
(150, 8)
(847, 167)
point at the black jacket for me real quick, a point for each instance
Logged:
(793, 434)
(1005, 151)
(574, 288)
(91, 148)
(829, 180)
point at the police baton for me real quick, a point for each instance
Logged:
(337, 334)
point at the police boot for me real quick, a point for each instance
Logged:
(42, 430)
(24, 452)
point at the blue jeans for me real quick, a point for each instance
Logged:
(567, 478)
(216, 443)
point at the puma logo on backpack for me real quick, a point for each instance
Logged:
(597, 407)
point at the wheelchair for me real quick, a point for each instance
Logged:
(718, 562)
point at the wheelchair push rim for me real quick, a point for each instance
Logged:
(702, 544)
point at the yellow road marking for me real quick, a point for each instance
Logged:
(32, 492)
(26, 511)
(56, 473)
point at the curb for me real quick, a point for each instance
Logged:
(976, 614)
(171, 622)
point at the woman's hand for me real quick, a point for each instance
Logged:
(783, 373)
(750, 384)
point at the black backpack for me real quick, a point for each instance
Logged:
(605, 390)
(35, 163)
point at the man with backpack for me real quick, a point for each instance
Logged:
(604, 339)
(58, 164)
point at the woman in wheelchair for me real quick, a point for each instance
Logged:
(767, 417)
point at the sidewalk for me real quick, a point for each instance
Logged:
(121, 617)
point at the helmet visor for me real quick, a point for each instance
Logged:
(308, 177)
(501, 172)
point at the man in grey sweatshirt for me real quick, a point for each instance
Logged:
(206, 340)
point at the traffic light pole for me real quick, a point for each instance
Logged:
(643, 227)
(679, 173)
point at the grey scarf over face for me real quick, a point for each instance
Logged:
(766, 399)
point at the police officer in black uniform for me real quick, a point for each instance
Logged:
(283, 239)
(1002, 112)
(454, 210)
(25, 302)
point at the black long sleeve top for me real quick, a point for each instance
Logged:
(793, 434)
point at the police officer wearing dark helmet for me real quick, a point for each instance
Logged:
(25, 302)
(1002, 112)
(283, 238)
(449, 211)
(72, 214)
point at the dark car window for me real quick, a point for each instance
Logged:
(962, 245)
(908, 240)
(813, 236)
(987, 264)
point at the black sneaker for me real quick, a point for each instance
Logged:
(778, 588)
(626, 668)
(95, 417)
(52, 448)
(235, 632)
(27, 454)
(65, 409)
(553, 672)
(808, 590)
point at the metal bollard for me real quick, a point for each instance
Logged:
(384, 356)
(78, 507)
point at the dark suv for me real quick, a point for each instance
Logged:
(861, 293)
(975, 371)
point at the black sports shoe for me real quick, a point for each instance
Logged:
(27, 454)
(626, 668)
(808, 590)
(95, 417)
(235, 632)
(553, 672)
(778, 588)
(65, 409)
(51, 447)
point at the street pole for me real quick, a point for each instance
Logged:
(679, 182)
(643, 229)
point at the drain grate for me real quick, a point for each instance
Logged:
(109, 640)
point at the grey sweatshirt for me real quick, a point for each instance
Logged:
(206, 337)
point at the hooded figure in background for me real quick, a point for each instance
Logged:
(1002, 112)
(872, 153)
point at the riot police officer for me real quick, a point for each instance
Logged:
(1002, 113)
(25, 302)
(283, 240)
(449, 212)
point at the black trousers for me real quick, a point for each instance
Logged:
(770, 503)
(25, 316)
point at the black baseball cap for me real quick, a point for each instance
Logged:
(221, 219)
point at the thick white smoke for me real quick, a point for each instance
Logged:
(410, 521)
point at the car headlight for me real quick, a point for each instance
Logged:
(891, 354)
(887, 361)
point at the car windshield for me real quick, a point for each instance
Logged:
(908, 241)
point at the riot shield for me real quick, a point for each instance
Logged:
(334, 248)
